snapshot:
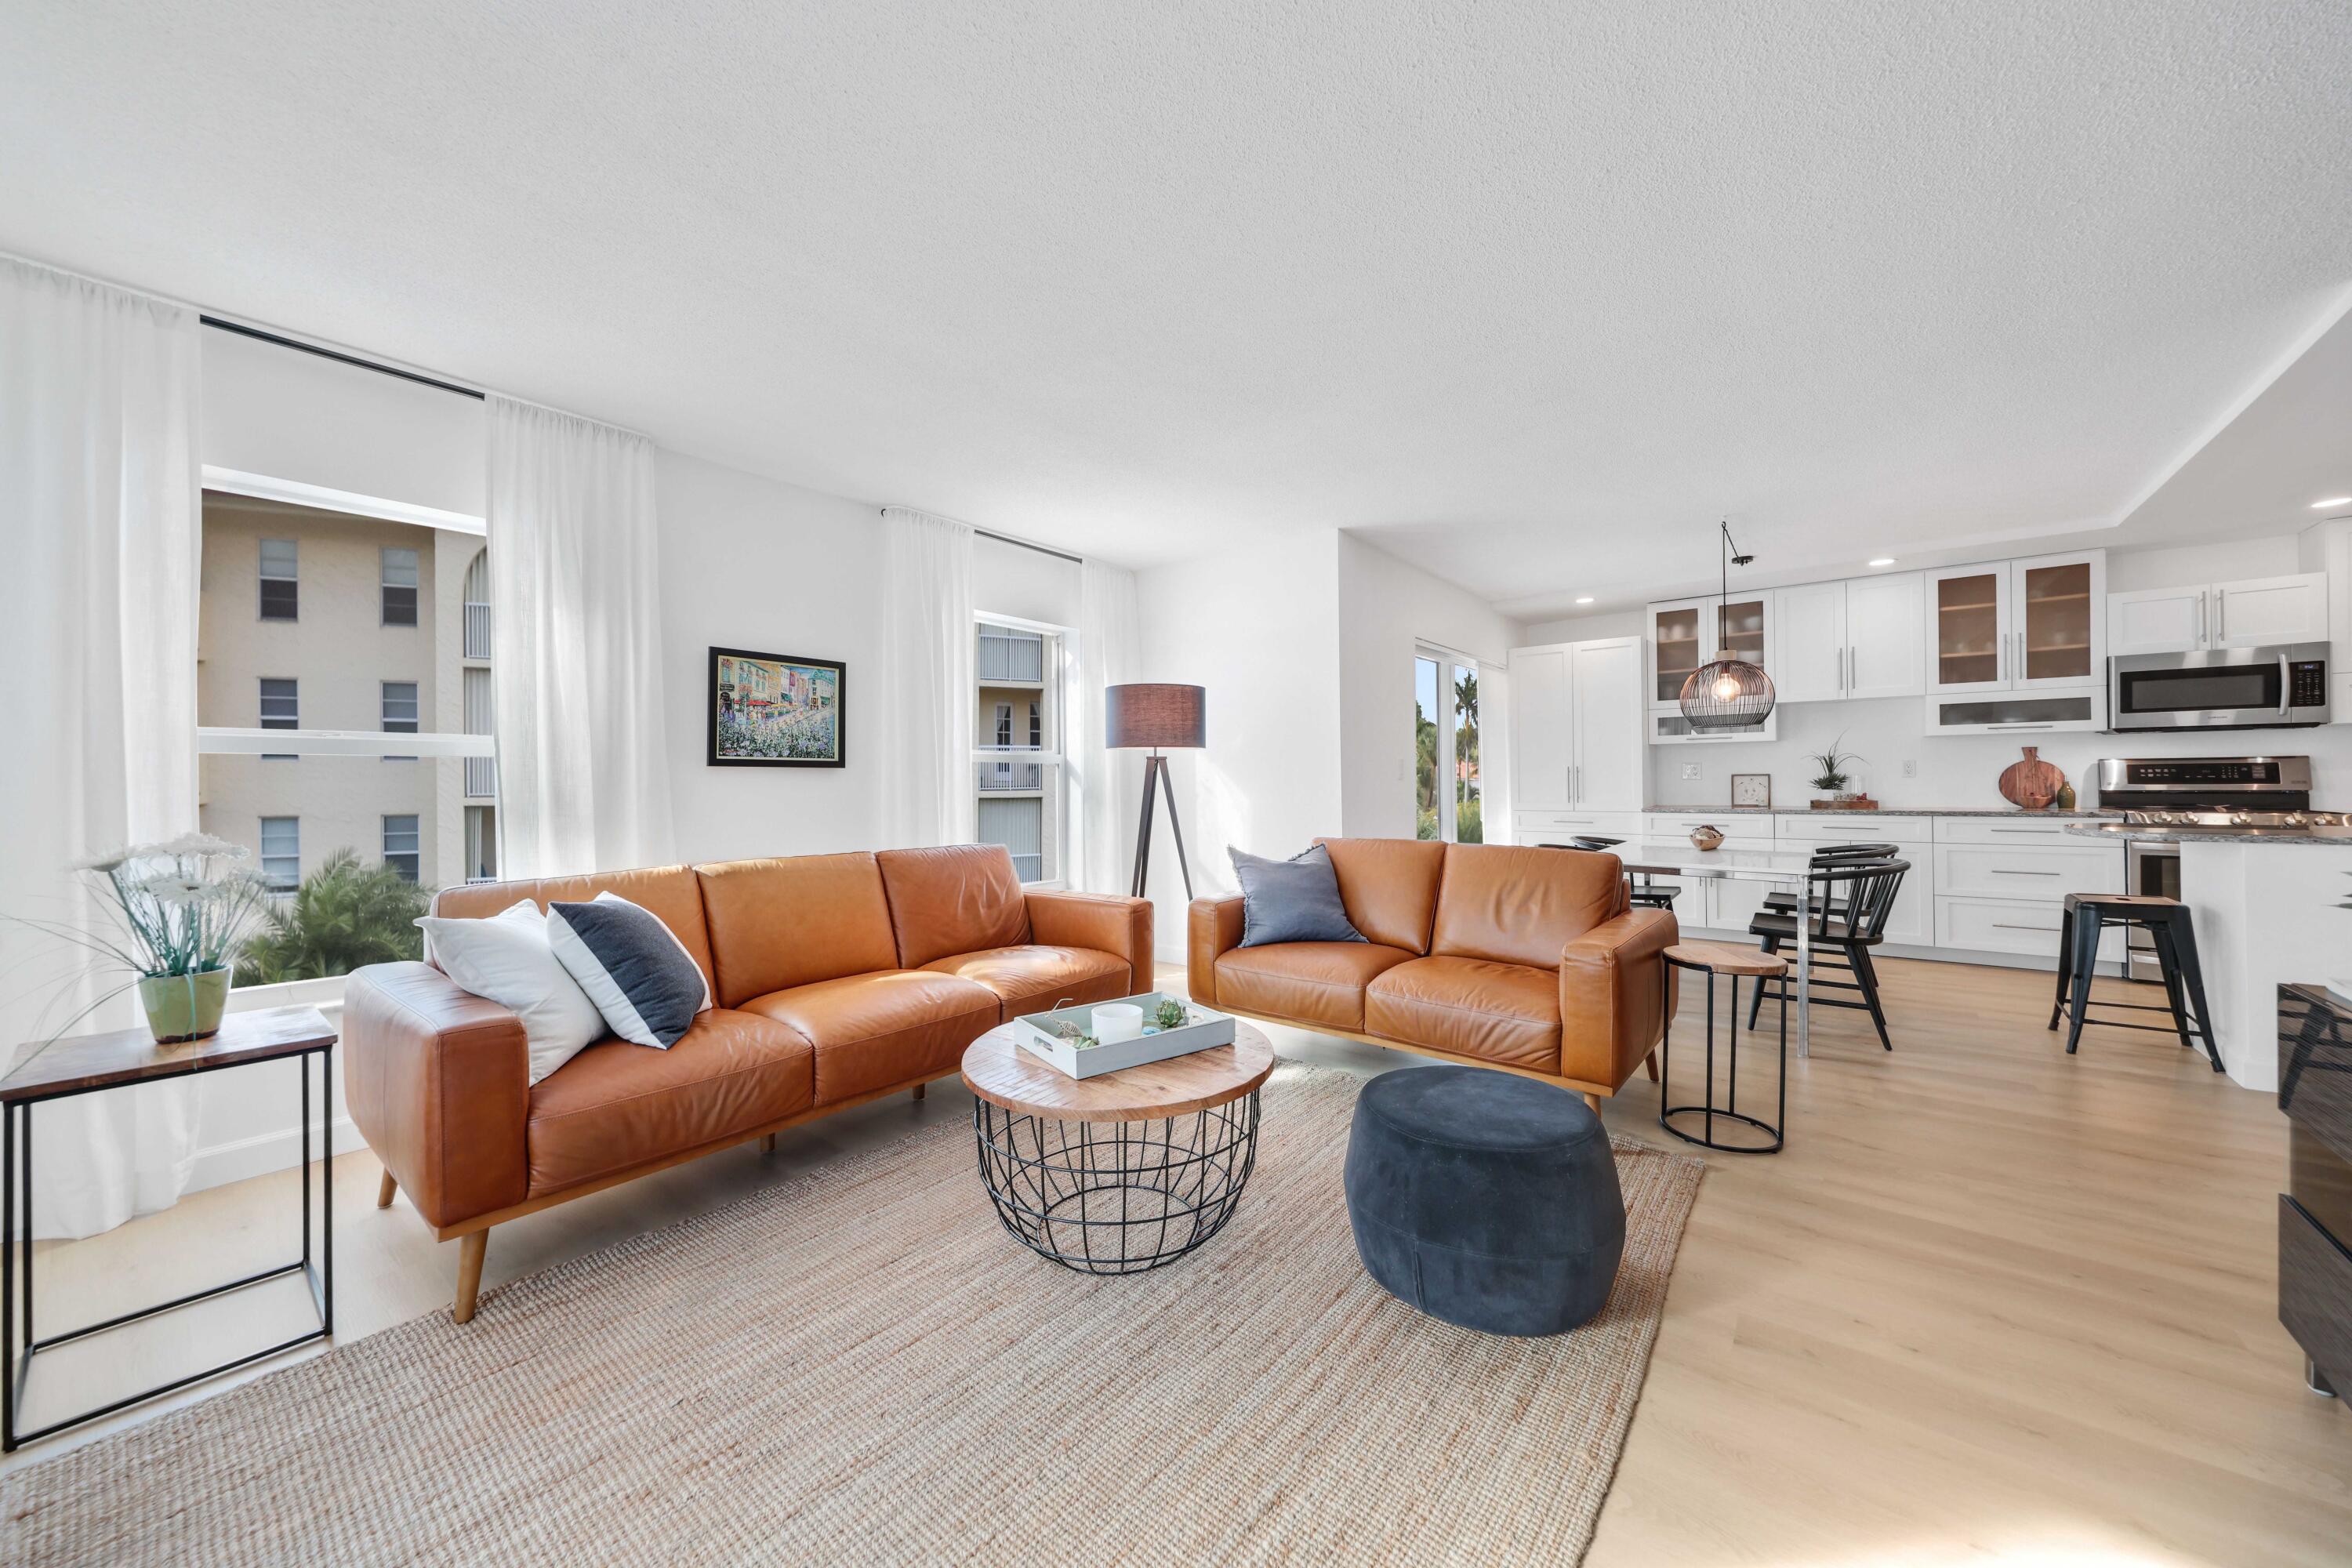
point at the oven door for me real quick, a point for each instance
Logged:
(2151, 870)
(2281, 687)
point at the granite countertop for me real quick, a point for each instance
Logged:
(2339, 836)
(2088, 816)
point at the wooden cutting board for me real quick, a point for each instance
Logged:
(2032, 785)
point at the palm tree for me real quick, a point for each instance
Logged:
(345, 914)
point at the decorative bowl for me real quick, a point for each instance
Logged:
(1707, 836)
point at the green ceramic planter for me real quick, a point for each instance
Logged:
(185, 1006)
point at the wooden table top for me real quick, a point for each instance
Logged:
(85, 1062)
(1001, 1072)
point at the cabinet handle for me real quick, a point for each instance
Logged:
(2221, 614)
(2286, 677)
(2037, 832)
(2201, 618)
(2005, 871)
(2011, 925)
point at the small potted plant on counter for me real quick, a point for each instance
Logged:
(1829, 775)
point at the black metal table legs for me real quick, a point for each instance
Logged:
(19, 1341)
(1707, 1112)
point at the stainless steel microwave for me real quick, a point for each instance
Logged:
(2281, 686)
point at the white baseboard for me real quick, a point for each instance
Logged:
(260, 1155)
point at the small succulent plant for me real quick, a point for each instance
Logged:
(1172, 1015)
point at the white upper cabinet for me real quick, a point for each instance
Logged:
(2251, 613)
(2038, 623)
(1577, 726)
(1688, 632)
(1542, 740)
(1859, 638)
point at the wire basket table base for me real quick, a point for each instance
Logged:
(1115, 1198)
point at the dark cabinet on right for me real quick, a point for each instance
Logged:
(2316, 1211)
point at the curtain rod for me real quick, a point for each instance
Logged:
(255, 333)
(1040, 549)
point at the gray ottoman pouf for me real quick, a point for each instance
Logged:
(1486, 1199)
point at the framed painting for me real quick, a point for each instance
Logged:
(776, 711)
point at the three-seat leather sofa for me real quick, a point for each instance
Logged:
(837, 979)
(1520, 958)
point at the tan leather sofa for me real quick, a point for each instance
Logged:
(1524, 959)
(837, 979)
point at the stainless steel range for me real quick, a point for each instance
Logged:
(2249, 795)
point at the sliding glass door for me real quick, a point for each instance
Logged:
(1446, 788)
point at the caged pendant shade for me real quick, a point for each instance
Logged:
(1726, 693)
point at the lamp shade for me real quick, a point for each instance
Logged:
(1156, 715)
(1727, 694)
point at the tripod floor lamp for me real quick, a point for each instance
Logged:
(1156, 716)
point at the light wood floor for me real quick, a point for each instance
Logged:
(1992, 1305)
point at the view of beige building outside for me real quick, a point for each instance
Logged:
(1020, 801)
(316, 620)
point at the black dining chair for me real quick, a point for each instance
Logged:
(1640, 890)
(1851, 899)
(1832, 855)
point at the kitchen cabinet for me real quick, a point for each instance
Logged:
(1688, 632)
(1671, 728)
(1577, 728)
(2253, 611)
(2036, 623)
(2001, 885)
(1856, 638)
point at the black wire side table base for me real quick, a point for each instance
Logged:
(1707, 1113)
(1115, 1198)
(245, 1040)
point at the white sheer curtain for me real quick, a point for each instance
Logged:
(98, 497)
(929, 709)
(583, 762)
(1106, 794)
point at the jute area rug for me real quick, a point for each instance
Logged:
(861, 1367)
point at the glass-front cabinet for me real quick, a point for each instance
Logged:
(2018, 625)
(1688, 632)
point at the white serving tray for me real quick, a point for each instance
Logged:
(1208, 1029)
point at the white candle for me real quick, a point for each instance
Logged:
(1117, 1021)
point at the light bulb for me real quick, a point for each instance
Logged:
(1725, 687)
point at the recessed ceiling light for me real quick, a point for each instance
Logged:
(2331, 501)
(1883, 561)
(1586, 600)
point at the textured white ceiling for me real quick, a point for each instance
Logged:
(1528, 292)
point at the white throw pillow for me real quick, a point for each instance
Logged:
(507, 958)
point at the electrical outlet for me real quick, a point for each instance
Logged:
(1910, 768)
(1690, 771)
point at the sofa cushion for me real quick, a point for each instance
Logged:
(671, 893)
(616, 1105)
(1312, 983)
(958, 898)
(1521, 904)
(891, 1027)
(784, 922)
(1390, 885)
(1034, 979)
(1295, 900)
(1470, 1006)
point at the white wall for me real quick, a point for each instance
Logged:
(1385, 609)
(1584, 629)
(751, 563)
(1260, 629)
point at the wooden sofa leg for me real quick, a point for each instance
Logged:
(919, 1090)
(383, 1190)
(470, 1248)
(768, 1145)
(1593, 1100)
(1649, 1065)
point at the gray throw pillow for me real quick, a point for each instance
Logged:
(1295, 900)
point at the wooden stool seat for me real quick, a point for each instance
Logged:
(2137, 902)
(1723, 958)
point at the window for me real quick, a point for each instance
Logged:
(399, 704)
(399, 579)
(1017, 745)
(280, 593)
(281, 852)
(340, 695)
(401, 844)
(1447, 801)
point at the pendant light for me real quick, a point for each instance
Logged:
(1726, 693)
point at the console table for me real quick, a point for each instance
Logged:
(91, 1064)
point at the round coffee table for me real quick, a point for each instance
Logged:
(1123, 1172)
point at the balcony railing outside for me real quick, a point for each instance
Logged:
(1000, 776)
(1009, 655)
(481, 778)
(477, 630)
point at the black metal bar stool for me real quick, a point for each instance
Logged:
(2085, 916)
(1711, 958)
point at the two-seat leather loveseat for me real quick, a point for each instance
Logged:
(1521, 958)
(837, 979)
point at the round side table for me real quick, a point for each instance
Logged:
(1711, 958)
(1122, 1173)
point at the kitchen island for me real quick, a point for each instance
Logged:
(2269, 910)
